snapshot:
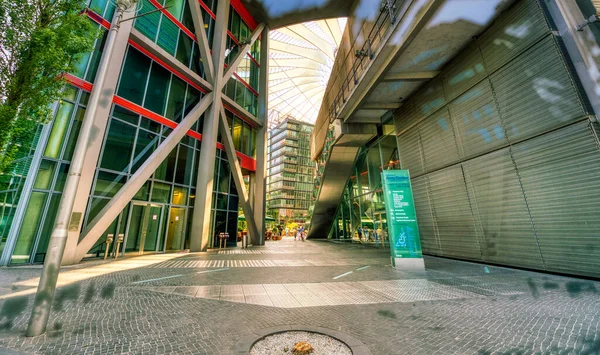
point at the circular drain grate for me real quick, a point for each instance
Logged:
(285, 343)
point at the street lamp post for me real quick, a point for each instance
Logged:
(56, 247)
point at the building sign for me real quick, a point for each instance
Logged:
(401, 218)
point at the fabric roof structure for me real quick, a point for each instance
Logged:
(301, 58)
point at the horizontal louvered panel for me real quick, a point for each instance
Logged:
(438, 141)
(476, 120)
(429, 99)
(559, 172)
(518, 28)
(405, 117)
(427, 230)
(463, 72)
(409, 146)
(501, 212)
(535, 92)
(456, 228)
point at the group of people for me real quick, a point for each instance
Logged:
(370, 234)
(298, 233)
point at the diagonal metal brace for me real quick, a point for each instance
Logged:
(236, 173)
(114, 207)
(238, 59)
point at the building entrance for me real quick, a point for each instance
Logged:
(144, 233)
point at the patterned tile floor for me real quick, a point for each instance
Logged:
(202, 303)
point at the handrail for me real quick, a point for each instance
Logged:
(388, 16)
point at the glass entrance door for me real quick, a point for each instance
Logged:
(176, 229)
(144, 232)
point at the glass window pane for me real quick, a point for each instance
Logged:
(45, 174)
(156, 93)
(245, 146)
(185, 161)
(98, 6)
(134, 76)
(148, 24)
(167, 168)
(240, 90)
(237, 132)
(235, 23)
(175, 7)
(126, 115)
(97, 206)
(192, 98)
(253, 143)
(180, 195)
(196, 62)
(230, 89)
(184, 48)
(221, 203)
(63, 172)
(223, 182)
(161, 192)
(167, 36)
(96, 55)
(244, 31)
(249, 100)
(232, 227)
(186, 19)
(49, 220)
(108, 184)
(27, 234)
(144, 147)
(150, 125)
(118, 146)
(219, 226)
(176, 99)
(143, 193)
(75, 126)
(59, 129)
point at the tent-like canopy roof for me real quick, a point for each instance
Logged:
(300, 62)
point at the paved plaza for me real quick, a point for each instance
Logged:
(204, 303)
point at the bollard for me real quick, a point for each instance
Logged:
(119, 241)
(109, 240)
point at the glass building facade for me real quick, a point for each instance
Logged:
(151, 98)
(290, 171)
(362, 204)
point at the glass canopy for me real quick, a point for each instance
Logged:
(300, 62)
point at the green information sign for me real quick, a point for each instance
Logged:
(401, 216)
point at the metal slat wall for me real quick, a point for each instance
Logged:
(409, 144)
(535, 92)
(454, 221)
(503, 159)
(476, 121)
(425, 215)
(560, 174)
(438, 141)
(499, 206)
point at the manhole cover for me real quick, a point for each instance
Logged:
(283, 343)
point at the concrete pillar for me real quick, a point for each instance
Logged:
(260, 176)
(92, 150)
(200, 234)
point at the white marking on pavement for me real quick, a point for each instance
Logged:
(362, 268)
(342, 275)
(160, 278)
(202, 272)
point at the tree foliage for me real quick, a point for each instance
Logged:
(39, 41)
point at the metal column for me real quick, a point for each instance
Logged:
(260, 181)
(200, 232)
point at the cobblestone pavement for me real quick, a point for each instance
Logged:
(203, 303)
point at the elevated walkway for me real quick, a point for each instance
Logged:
(383, 60)
(348, 139)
